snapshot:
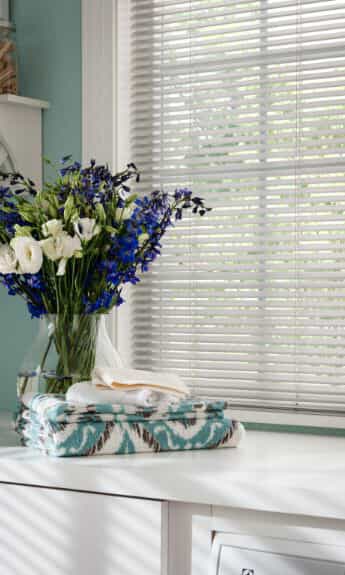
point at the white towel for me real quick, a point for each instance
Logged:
(123, 379)
(85, 393)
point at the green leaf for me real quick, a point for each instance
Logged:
(131, 199)
(69, 209)
(101, 215)
(22, 231)
(27, 212)
(111, 230)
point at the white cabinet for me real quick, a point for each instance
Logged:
(57, 532)
(234, 554)
(200, 513)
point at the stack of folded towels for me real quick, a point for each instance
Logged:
(124, 411)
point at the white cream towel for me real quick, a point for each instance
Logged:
(123, 379)
(85, 393)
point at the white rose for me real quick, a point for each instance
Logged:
(8, 260)
(86, 228)
(52, 228)
(28, 253)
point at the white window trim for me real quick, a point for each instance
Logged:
(105, 129)
(99, 90)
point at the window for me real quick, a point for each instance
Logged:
(244, 101)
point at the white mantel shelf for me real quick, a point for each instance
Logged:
(21, 100)
(273, 472)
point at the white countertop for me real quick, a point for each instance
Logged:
(277, 472)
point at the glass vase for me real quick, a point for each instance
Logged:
(66, 350)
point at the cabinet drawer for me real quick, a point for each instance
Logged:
(234, 554)
(56, 532)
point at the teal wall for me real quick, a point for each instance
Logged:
(49, 53)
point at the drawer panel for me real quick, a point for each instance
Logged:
(241, 561)
(56, 532)
(235, 554)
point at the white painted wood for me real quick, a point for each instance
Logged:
(272, 472)
(66, 533)
(123, 316)
(21, 133)
(98, 81)
(99, 91)
(279, 534)
(201, 543)
(189, 541)
(232, 554)
(23, 101)
(284, 418)
(289, 525)
(274, 487)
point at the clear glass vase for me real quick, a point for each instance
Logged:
(65, 351)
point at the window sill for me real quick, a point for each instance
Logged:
(290, 422)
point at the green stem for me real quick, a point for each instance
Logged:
(45, 355)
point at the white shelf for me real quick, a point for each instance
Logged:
(22, 101)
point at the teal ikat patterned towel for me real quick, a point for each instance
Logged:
(51, 425)
(124, 437)
(54, 407)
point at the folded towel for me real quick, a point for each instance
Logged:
(104, 438)
(55, 409)
(136, 379)
(85, 393)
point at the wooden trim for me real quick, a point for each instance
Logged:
(99, 91)
(99, 81)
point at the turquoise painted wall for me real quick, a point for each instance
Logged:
(49, 47)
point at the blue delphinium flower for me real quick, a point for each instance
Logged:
(34, 281)
(10, 283)
(75, 167)
(4, 192)
(10, 218)
(36, 310)
(104, 301)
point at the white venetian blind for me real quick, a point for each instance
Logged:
(244, 101)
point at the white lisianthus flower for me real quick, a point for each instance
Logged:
(71, 245)
(51, 249)
(52, 228)
(8, 260)
(62, 246)
(28, 253)
(124, 213)
(86, 228)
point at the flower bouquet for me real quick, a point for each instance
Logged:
(69, 248)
